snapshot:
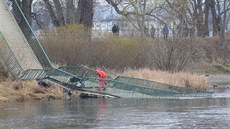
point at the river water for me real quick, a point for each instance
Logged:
(117, 114)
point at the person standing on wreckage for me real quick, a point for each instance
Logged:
(102, 76)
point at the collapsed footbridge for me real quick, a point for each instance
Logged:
(23, 56)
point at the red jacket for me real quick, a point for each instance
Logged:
(101, 74)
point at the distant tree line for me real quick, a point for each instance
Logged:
(184, 17)
(61, 12)
(181, 15)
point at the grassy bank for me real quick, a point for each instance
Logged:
(28, 90)
(179, 79)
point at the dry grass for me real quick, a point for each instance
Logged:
(27, 90)
(179, 79)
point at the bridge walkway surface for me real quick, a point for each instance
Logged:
(23, 56)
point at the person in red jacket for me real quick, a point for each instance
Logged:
(102, 76)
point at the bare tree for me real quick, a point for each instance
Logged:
(87, 18)
(137, 12)
(82, 14)
(52, 13)
(70, 11)
(188, 16)
(224, 23)
(59, 12)
(79, 12)
(215, 17)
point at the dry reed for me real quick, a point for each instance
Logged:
(26, 90)
(179, 79)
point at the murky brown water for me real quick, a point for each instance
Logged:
(118, 114)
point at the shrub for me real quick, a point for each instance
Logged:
(71, 45)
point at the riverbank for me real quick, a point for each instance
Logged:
(219, 81)
(28, 90)
(15, 90)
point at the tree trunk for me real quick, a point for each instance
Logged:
(52, 13)
(200, 23)
(182, 27)
(214, 17)
(70, 12)
(59, 12)
(206, 30)
(78, 13)
(87, 13)
(223, 25)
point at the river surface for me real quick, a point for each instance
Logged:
(210, 113)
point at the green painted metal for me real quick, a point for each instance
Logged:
(128, 90)
(51, 73)
(34, 74)
(143, 86)
(135, 87)
(163, 86)
(62, 76)
(81, 71)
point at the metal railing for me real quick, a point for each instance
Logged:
(132, 90)
(163, 86)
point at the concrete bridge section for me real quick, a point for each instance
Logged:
(16, 40)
